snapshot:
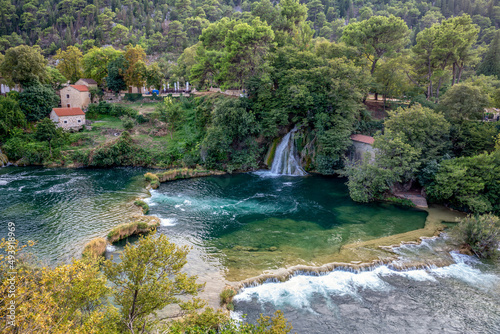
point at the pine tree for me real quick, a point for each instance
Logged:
(491, 62)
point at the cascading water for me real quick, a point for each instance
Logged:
(285, 160)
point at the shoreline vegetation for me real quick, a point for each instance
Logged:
(155, 179)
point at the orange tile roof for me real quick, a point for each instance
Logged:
(363, 139)
(81, 88)
(68, 111)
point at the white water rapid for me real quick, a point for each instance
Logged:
(285, 160)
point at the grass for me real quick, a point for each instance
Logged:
(182, 173)
(110, 122)
(226, 298)
(128, 229)
(95, 248)
(143, 205)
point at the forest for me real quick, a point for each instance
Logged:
(312, 66)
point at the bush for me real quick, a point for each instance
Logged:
(27, 151)
(143, 205)
(226, 296)
(481, 234)
(128, 123)
(133, 97)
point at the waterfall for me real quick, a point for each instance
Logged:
(285, 160)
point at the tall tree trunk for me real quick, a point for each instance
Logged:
(373, 66)
(454, 74)
(437, 90)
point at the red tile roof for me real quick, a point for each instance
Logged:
(363, 139)
(81, 88)
(68, 111)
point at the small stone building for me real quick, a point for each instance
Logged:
(361, 145)
(68, 118)
(90, 83)
(75, 96)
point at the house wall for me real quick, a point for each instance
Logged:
(76, 98)
(71, 121)
(53, 117)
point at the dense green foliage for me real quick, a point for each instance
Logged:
(306, 65)
(481, 234)
(37, 101)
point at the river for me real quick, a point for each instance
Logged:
(242, 225)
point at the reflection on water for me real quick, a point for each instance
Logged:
(254, 222)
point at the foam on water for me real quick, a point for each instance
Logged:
(3, 182)
(299, 290)
(168, 222)
(110, 248)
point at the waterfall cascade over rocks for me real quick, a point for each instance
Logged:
(286, 160)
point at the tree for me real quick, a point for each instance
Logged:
(154, 76)
(11, 115)
(464, 101)
(23, 65)
(377, 37)
(54, 78)
(246, 47)
(96, 61)
(70, 63)
(468, 183)
(135, 66)
(116, 69)
(69, 296)
(400, 158)
(148, 278)
(176, 35)
(422, 128)
(491, 61)
(47, 131)
(37, 102)
(444, 46)
(119, 33)
(481, 233)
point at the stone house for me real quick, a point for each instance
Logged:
(75, 96)
(68, 118)
(361, 145)
(90, 83)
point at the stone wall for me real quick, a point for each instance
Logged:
(73, 98)
(71, 122)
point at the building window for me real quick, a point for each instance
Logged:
(67, 105)
(67, 96)
(79, 121)
(65, 122)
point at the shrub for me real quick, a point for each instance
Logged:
(95, 248)
(226, 296)
(132, 97)
(128, 123)
(143, 205)
(481, 233)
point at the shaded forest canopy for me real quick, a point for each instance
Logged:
(172, 25)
